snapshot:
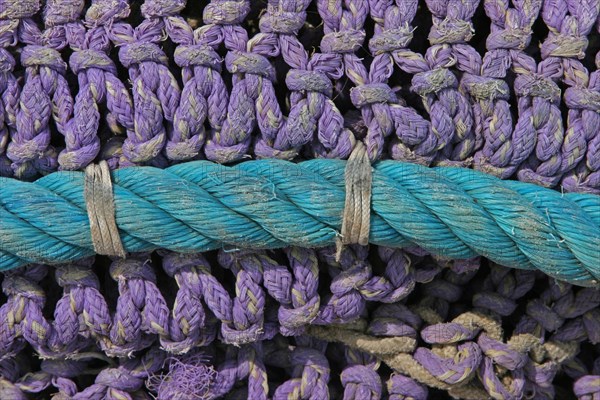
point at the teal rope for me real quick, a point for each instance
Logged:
(199, 206)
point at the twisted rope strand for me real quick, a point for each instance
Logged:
(459, 214)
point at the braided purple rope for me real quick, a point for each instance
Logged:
(586, 177)
(401, 387)
(249, 303)
(451, 31)
(81, 315)
(539, 112)
(252, 82)
(141, 310)
(310, 82)
(450, 113)
(188, 326)
(9, 95)
(310, 374)
(247, 363)
(21, 317)
(569, 23)
(295, 290)
(18, 384)
(360, 378)
(503, 149)
(344, 35)
(12, 17)
(204, 96)
(44, 94)
(98, 83)
(353, 283)
(393, 33)
(156, 92)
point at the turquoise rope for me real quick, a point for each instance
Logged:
(199, 206)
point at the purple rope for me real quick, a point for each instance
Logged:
(252, 81)
(504, 146)
(585, 177)
(569, 23)
(204, 97)
(311, 108)
(360, 378)
(98, 83)
(156, 92)
(44, 89)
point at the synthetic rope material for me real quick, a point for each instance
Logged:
(198, 206)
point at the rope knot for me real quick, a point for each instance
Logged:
(582, 99)
(451, 31)
(136, 53)
(424, 83)
(347, 41)
(60, 12)
(175, 262)
(361, 375)
(104, 12)
(536, 85)
(502, 353)
(309, 81)
(391, 40)
(249, 63)
(282, 22)
(565, 46)
(351, 279)
(197, 55)
(76, 275)
(87, 59)
(226, 12)
(132, 269)
(15, 285)
(162, 8)
(41, 56)
(372, 93)
(509, 39)
(484, 88)
(12, 9)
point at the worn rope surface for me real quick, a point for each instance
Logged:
(451, 212)
(511, 88)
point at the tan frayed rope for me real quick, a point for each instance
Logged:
(100, 206)
(356, 221)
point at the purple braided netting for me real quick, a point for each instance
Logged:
(509, 87)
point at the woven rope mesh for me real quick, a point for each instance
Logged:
(510, 88)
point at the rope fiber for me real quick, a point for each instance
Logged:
(198, 206)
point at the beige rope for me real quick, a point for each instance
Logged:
(100, 206)
(356, 220)
(394, 351)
